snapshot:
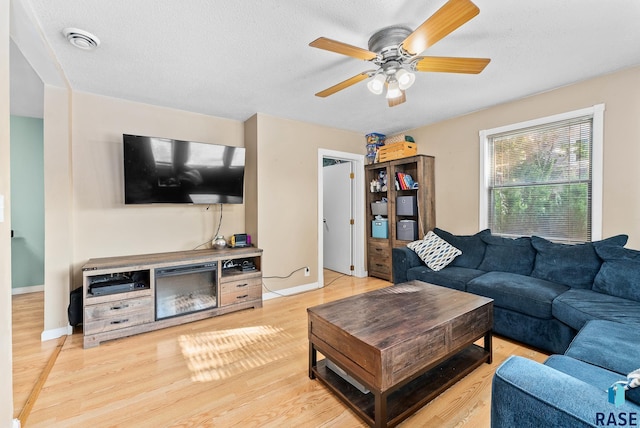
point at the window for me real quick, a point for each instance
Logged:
(544, 177)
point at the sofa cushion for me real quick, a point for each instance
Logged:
(452, 276)
(434, 251)
(607, 344)
(472, 247)
(591, 374)
(508, 255)
(573, 265)
(577, 306)
(619, 274)
(530, 296)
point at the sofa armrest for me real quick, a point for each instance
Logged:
(403, 259)
(526, 393)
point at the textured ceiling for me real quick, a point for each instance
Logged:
(234, 58)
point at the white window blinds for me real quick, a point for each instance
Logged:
(540, 181)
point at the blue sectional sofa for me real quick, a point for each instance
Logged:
(570, 390)
(543, 292)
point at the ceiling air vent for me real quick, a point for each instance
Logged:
(81, 39)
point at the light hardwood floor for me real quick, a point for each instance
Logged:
(243, 369)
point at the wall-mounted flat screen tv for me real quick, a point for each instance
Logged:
(163, 170)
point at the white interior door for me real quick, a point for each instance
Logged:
(337, 216)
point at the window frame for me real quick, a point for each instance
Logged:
(597, 113)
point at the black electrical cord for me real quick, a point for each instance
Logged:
(288, 276)
(335, 279)
(219, 224)
(217, 230)
(285, 277)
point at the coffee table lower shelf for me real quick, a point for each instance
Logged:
(409, 397)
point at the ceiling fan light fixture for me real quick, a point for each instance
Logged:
(405, 78)
(393, 91)
(376, 85)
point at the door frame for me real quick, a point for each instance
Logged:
(338, 194)
(357, 208)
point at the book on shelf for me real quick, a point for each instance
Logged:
(405, 181)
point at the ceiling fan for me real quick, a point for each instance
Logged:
(394, 50)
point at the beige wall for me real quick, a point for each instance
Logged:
(287, 182)
(103, 225)
(6, 382)
(455, 144)
(58, 214)
(251, 177)
(280, 186)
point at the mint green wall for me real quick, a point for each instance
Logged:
(27, 202)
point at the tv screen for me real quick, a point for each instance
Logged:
(163, 170)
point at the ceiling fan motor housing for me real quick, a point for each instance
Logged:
(386, 42)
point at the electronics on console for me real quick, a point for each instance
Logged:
(247, 266)
(243, 265)
(240, 240)
(116, 283)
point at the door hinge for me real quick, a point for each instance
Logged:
(352, 176)
(352, 222)
(352, 268)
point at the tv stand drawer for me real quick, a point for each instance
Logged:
(116, 315)
(240, 291)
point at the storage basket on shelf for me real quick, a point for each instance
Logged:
(379, 208)
(399, 150)
(399, 138)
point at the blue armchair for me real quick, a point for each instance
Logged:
(570, 390)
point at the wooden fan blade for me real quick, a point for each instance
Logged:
(451, 65)
(397, 100)
(343, 85)
(448, 18)
(342, 48)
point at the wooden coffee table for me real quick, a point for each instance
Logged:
(406, 344)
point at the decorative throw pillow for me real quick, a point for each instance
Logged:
(472, 247)
(619, 274)
(630, 387)
(434, 251)
(574, 265)
(508, 255)
(634, 379)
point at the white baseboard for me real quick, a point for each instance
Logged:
(25, 290)
(290, 291)
(56, 333)
(15, 423)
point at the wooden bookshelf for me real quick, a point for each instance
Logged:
(421, 168)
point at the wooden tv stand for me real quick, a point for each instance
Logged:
(114, 307)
